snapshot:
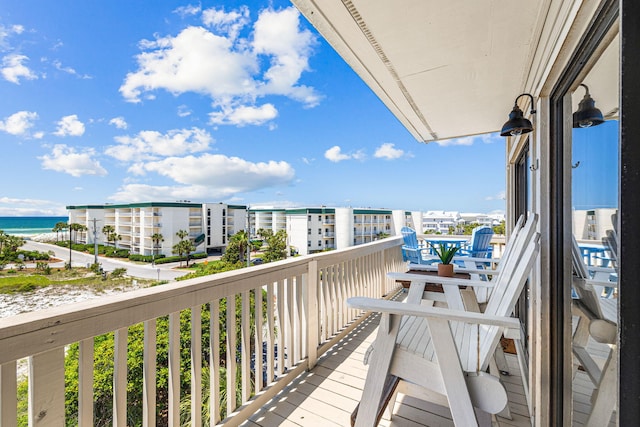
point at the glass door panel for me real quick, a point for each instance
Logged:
(594, 204)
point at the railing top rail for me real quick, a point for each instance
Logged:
(31, 333)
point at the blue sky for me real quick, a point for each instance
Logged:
(237, 102)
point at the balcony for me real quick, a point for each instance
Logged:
(305, 314)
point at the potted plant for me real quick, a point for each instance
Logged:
(445, 253)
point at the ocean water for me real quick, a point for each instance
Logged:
(29, 225)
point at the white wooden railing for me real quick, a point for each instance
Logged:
(306, 313)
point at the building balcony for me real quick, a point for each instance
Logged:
(300, 307)
(304, 334)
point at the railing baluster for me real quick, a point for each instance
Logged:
(196, 366)
(270, 333)
(120, 378)
(326, 291)
(288, 327)
(245, 330)
(300, 326)
(257, 297)
(342, 289)
(214, 364)
(149, 374)
(334, 301)
(280, 318)
(174, 369)
(231, 354)
(310, 289)
(8, 394)
(85, 383)
(46, 388)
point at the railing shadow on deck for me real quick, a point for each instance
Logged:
(298, 305)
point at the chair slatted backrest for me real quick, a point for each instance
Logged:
(504, 297)
(517, 229)
(480, 246)
(410, 238)
(410, 249)
(586, 293)
(509, 284)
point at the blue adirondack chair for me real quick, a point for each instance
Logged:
(412, 251)
(480, 244)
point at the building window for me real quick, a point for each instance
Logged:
(319, 242)
(319, 217)
(309, 218)
(308, 243)
(319, 230)
(309, 231)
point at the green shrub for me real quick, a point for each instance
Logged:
(145, 258)
(118, 272)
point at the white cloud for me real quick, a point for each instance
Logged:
(58, 65)
(149, 144)
(211, 176)
(387, 151)
(70, 126)
(184, 111)
(13, 68)
(277, 35)
(500, 196)
(15, 201)
(5, 32)
(336, 155)
(118, 122)
(187, 10)
(230, 23)
(76, 163)
(19, 123)
(244, 115)
(227, 67)
(468, 140)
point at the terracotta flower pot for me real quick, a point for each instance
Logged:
(445, 270)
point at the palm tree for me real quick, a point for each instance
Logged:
(75, 227)
(60, 226)
(156, 238)
(180, 248)
(108, 231)
(182, 234)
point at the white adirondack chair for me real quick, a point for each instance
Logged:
(443, 353)
(596, 318)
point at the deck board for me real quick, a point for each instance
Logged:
(328, 394)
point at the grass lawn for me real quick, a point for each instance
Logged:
(27, 280)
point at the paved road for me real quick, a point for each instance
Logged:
(81, 259)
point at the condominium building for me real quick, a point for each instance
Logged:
(592, 224)
(439, 221)
(312, 230)
(208, 225)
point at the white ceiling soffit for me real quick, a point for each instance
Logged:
(446, 69)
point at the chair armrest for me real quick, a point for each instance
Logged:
(476, 259)
(456, 269)
(445, 281)
(601, 283)
(395, 307)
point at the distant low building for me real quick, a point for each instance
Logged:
(209, 225)
(439, 221)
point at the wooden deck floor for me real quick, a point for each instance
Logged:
(327, 395)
